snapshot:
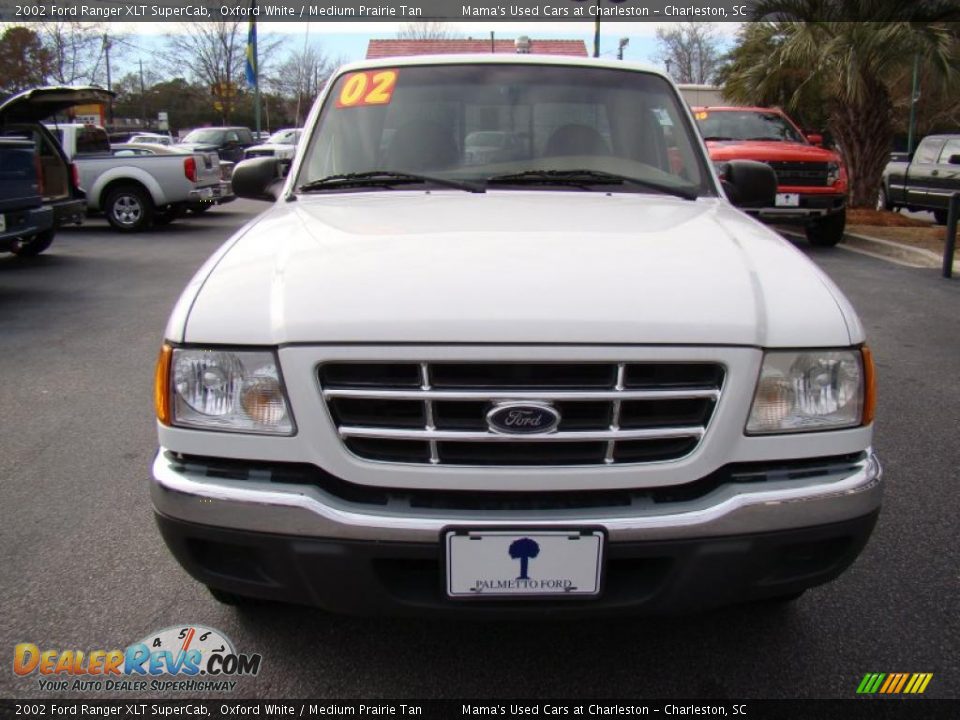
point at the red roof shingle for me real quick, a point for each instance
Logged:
(394, 48)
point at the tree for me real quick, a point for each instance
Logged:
(425, 30)
(75, 48)
(524, 550)
(24, 61)
(854, 66)
(300, 78)
(213, 53)
(690, 51)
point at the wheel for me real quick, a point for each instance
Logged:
(784, 599)
(232, 599)
(33, 245)
(168, 214)
(827, 231)
(940, 216)
(883, 202)
(128, 209)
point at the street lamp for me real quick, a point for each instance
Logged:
(623, 43)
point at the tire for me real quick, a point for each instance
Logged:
(940, 216)
(128, 209)
(883, 202)
(168, 214)
(780, 601)
(827, 231)
(33, 245)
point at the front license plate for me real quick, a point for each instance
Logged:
(788, 200)
(500, 563)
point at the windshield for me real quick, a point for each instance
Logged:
(204, 136)
(746, 125)
(284, 137)
(480, 121)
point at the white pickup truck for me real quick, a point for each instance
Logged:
(134, 192)
(571, 378)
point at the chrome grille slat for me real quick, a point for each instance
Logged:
(437, 413)
(472, 436)
(433, 394)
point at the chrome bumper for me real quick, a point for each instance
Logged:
(734, 509)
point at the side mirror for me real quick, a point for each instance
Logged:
(815, 139)
(749, 184)
(954, 160)
(259, 178)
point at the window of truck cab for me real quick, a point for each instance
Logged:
(475, 121)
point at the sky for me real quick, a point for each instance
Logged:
(348, 40)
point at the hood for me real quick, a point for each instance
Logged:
(510, 267)
(43, 102)
(196, 147)
(769, 151)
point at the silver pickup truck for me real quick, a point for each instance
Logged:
(134, 192)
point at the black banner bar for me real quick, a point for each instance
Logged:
(854, 709)
(486, 11)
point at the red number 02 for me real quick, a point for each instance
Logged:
(367, 88)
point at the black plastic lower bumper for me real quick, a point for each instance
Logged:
(661, 577)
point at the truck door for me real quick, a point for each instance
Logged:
(921, 173)
(945, 176)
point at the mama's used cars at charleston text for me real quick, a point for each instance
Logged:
(570, 378)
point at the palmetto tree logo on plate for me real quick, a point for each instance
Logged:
(524, 550)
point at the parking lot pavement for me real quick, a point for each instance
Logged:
(83, 565)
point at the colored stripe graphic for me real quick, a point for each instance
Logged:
(894, 683)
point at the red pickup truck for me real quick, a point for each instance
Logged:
(811, 180)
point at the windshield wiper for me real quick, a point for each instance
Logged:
(384, 178)
(717, 138)
(586, 178)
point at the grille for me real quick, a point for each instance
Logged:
(436, 413)
(802, 174)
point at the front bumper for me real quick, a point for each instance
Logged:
(741, 540)
(812, 206)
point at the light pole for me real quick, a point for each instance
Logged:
(914, 97)
(623, 43)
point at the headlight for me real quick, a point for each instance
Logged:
(817, 390)
(226, 390)
(833, 173)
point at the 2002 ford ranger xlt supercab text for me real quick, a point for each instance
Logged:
(568, 378)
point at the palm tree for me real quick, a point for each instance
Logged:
(523, 550)
(851, 53)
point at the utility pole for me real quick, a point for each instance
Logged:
(596, 33)
(143, 99)
(106, 53)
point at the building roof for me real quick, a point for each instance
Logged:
(394, 48)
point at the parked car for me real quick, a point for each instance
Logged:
(924, 181)
(811, 180)
(151, 139)
(21, 116)
(228, 142)
(225, 194)
(135, 191)
(578, 382)
(282, 144)
(26, 224)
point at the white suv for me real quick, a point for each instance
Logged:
(575, 380)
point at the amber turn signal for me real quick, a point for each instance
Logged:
(869, 386)
(161, 385)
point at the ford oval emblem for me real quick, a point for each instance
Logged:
(515, 418)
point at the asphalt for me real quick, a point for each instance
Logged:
(82, 565)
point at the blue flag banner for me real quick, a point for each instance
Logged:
(251, 68)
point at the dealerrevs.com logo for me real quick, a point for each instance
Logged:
(186, 658)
